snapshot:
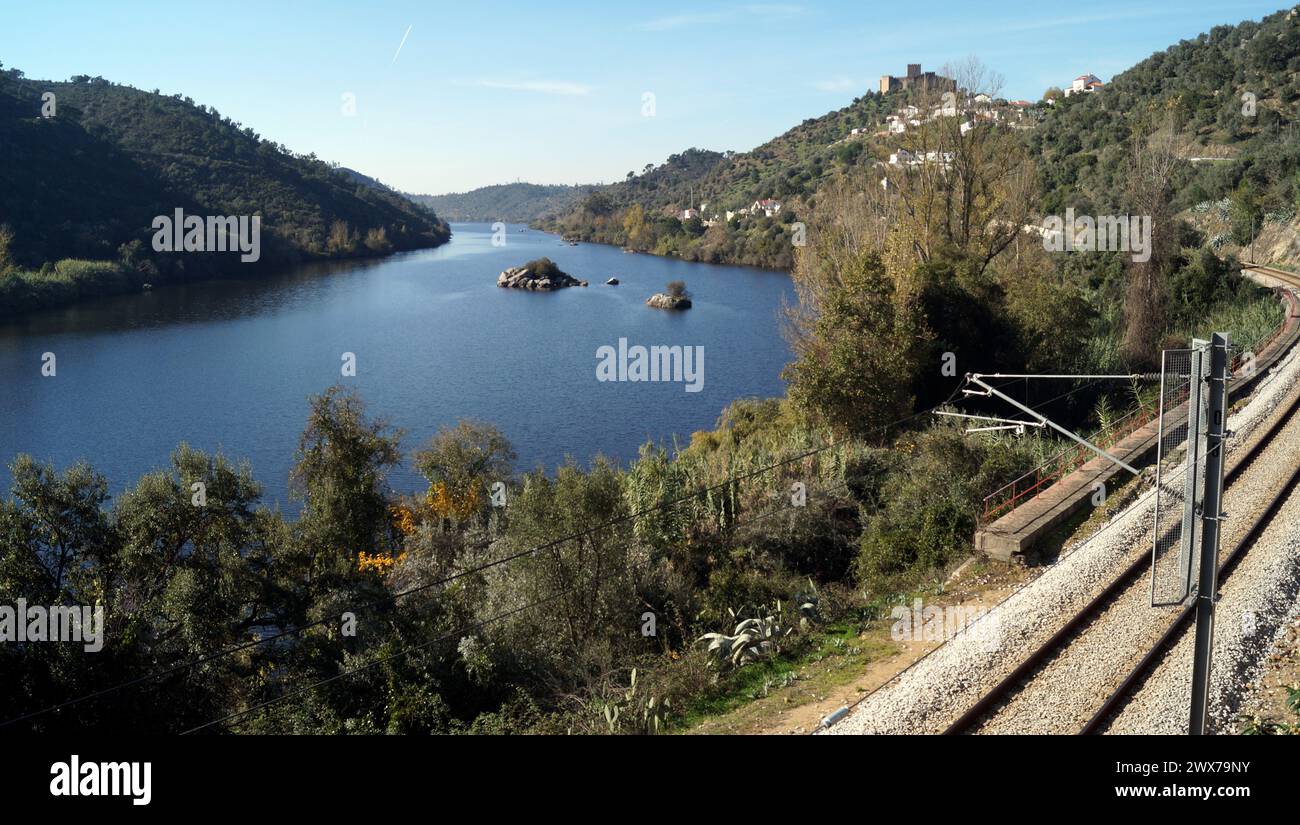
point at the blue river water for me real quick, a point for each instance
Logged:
(230, 364)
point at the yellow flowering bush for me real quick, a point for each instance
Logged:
(405, 519)
(381, 563)
(454, 503)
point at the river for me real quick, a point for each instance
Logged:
(230, 364)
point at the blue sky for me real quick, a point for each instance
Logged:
(453, 96)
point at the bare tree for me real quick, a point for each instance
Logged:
(1152, 164)
(854, 216)
(962, 179)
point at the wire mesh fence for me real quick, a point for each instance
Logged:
(1180, 463)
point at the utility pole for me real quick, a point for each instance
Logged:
(1211, 516)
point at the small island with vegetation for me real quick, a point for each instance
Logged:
(541, 274)
(674, 296)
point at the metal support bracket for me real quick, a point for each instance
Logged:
(1043, 420)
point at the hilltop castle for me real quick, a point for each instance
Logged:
(915, 78)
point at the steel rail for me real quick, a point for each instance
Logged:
(1095, 607)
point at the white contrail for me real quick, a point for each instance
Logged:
(403, 43)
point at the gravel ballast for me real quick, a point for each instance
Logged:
(927, 697)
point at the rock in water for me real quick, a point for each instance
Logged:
(612, 282)
(663, 300)
(541, 275)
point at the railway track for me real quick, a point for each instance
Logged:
(1289, 277)
(984, 714)
(1147, 664)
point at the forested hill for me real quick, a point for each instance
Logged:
(1222, 103)
(87, 183)
(512, 202)
(1226, 101)
(790, 168)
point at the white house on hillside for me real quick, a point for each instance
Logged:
(901, 157)
(1084, 83)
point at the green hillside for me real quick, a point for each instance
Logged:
(791, 168)
(511, 202)
(86, 184)
(1224, 103)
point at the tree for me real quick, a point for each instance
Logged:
(56, 542)
(856, 331)
(6, 240)
(597, 203)
(377, 240)
(1050, 311)
(341, 476)
(1151, 167)
(174, 578)
(461, 464)
(635, 227)
(586, 580)
(63, 528)
(341, 238)
(968, 191)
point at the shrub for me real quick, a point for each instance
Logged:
(930, 505)
(377, 240)
(461, 464)
(744, 591)
(818, 539)
(543, 267)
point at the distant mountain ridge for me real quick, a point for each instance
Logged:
(510, 202)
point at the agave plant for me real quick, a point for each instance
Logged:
(753, 639)
(809, 615)
(632, 715)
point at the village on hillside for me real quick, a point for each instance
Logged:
(974, 109)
